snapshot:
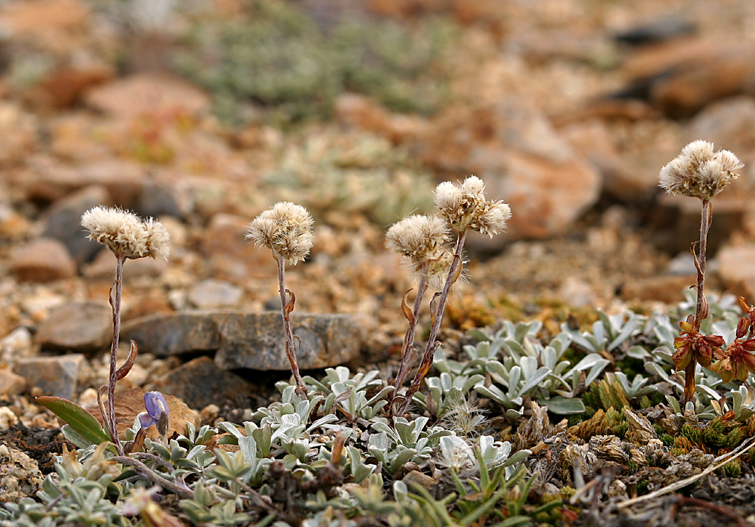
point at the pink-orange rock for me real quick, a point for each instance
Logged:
(54, 25)
(63, 87)
(48, 180)
(10, 383)
(735, 268)
(42, 260)
(142, 93)
(515, 150)
(230, 256)
(366, 114)
(18, 134)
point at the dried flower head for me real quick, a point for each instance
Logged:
(125, 234)
(492, 218)
(699, 171)
(464, 207)
(458, 203)
(418, 238)
(286, 229)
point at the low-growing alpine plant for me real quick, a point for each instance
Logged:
(344, 449)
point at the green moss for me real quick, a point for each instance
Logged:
(667, 440)
(278, 57)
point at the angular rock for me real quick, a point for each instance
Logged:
(688, 89)
(16, 344)
(103, 267)
(683, 76)
(230, 256)
(248, 340)
(54, 375)
(42, 260)
(147, 94)
(10, 383)
(666, 288)
(622, 179)
(63, 87)
(200, 383)
(729, 124)
(515, 150)
(84, 327)
(63, 221)
(18, 134)
(735, 267)
(213, 294)
(48, 180)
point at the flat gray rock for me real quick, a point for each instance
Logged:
(248, 340)
(54, 375)
(85, 327)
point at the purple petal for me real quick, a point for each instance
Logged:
(145, 420)
(155, 404)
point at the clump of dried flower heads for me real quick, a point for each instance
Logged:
(463, 207)
(698, 172)
(285, 229)
(128, 237)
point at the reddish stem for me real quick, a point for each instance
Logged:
(431, 346)
(301, 390)
(116, 304)
(408, 344)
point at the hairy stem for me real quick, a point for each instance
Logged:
(301, 390)
(701, 310)
(180, 489)
(115, 302)
(431, 346)
(408, 344)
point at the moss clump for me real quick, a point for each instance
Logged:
(275, 55)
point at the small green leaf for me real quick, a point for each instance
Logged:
(77, 418)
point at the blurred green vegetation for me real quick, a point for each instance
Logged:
(279, 58)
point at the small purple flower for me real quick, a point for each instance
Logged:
(157, 412)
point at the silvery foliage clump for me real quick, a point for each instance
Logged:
(393, 446)
(348, 393)
(525, 367)
(90, 486)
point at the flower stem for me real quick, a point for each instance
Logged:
(115, 302)
(178, 487)
(431, 346)
(701, 310)
(408, 345)
(286, 308)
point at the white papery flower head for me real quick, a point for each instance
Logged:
(286, 229)
(418, 238)
(699, 172)
(125, 234)
(464, 206)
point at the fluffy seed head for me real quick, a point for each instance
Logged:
(286, 229)
(699, 171)
(464, 207)
(457, 203)
(492, 218)
(418, 238)
(125, 234)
